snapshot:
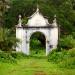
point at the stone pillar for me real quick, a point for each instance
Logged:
(25, 42)
(19, 36)
(19, 30)
(54, 34)
(54, 38)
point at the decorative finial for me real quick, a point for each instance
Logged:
(54, 21)
(19, 16)
(55, 16)
(37, 7)
(20, 21)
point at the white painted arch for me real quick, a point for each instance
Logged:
(37, 23)
(24, 34)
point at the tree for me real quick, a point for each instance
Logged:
(9, 42)
(3, 9)
(64, 9)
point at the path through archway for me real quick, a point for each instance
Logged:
(38, 44)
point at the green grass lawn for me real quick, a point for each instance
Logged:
(33, 65)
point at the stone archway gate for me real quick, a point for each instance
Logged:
(36, 23)
(24, 34)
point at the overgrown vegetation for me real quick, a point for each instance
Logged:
(8, 42)
(57, 63)
(11, 57)
(37, 43)
(67, 42)
(64, 9)
(65, 59)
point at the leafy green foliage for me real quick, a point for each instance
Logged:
(67, 42)
(18, 7)
(8, 42)
(6, 57)
(62, 8)
(37, 42)
(56, 56)
(18, 55)
(65, 59)
(11, 57)
(3, 8)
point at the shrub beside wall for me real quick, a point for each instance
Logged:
(11, 57)
(67, 42)
(63, 58)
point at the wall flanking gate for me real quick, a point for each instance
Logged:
(36, 23)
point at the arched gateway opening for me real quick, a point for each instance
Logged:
(37, 44)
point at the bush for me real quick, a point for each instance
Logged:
(63, 58)
(18, 55)
(11, 57)
(56, 57)
(6, 57)
(8, 42)
(67, 42)
(71, 52)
